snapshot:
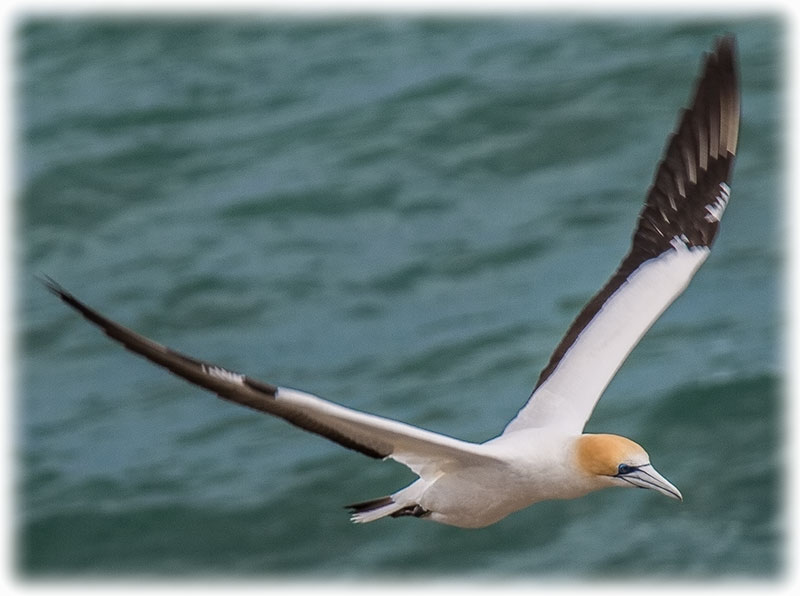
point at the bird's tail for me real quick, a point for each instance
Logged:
(361, 513)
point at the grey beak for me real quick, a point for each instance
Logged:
(647, 477)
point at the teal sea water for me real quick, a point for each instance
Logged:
(402, 215)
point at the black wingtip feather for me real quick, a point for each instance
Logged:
(58, 290)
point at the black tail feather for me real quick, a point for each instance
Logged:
(369, 505)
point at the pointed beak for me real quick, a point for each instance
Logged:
(647, 477)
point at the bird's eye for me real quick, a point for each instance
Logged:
(624, 469)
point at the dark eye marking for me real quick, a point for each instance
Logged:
(623, 469)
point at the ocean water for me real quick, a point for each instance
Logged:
(401, 215)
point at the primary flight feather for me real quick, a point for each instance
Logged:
(543, 452)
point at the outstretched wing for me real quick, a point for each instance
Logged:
(672, 239)
(377, 437)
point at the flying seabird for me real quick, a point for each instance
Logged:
(542, 453)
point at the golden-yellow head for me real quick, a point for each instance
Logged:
(619, 461)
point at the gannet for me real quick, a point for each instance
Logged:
(543, 452)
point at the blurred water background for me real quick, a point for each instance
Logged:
(402, 215)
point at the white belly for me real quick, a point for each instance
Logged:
(474, 497)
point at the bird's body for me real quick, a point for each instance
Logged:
(524, 467)
(542, 453)
(515, 471)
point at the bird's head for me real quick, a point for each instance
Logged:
(612, 460)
